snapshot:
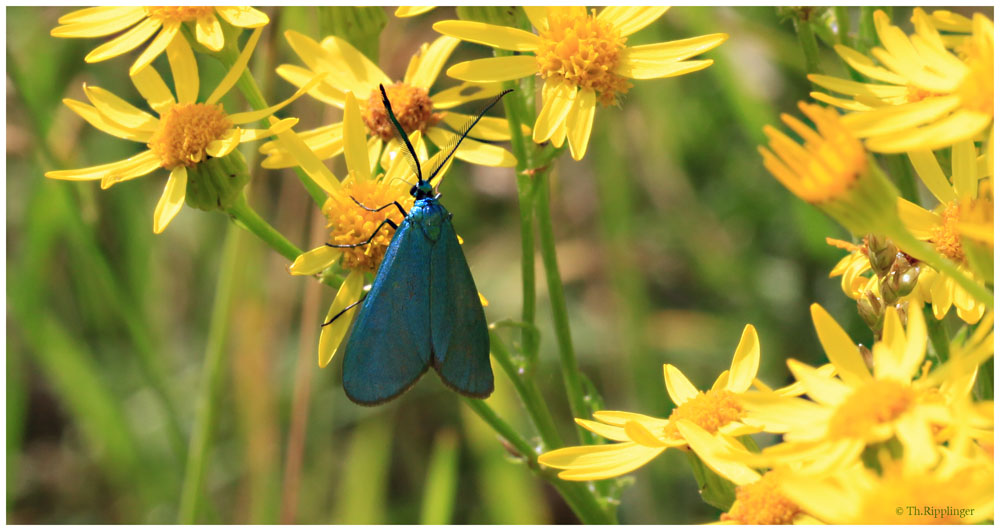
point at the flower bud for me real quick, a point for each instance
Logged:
(216, 183)
(870, 309)
(881, 253)
(361, 26)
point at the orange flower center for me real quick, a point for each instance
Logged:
(946, 237)
(350, 223)
(761, 503)
(710, 410)
(872, 404)
(411, 105)
(915, 93)
(185, 132)
(179, 13)
(583, 51)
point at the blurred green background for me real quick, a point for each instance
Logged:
(671, 238)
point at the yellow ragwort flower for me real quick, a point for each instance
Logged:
(861, 406)
(186, 133)
(415, 108)
(163, 21)
(925, 96)
(583, 59)
(940, 226)
(640, 438)
(349, 223)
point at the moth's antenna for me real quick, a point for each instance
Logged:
(410, 152)
(465, 131)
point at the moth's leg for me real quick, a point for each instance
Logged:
(383, 207)
(385, 222)
(342, 312)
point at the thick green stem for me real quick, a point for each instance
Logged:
(504, 430)
(252, 222)
(843, 19)
(212, 378)
(529, 393)
(807, 39)
(560, 315)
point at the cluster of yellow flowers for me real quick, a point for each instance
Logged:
(581, 55)
(894, 433)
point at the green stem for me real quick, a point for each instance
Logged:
(560, 316)
(807, 39)
(866, 29)
(529, 393)
(843, 19)
(212, 378)
(576, 495)
(251, 221)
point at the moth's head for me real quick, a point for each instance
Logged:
(422, 190)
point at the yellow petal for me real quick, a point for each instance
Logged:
(494, 69)
(538, 15)
(640, 434)
(237, 69)
(412, 11)
(248, 135)
(172, 200)
(314, 261)
(746, 360)
(323, 92)
(355, 141)
(305, 158)
(101, 14)
(921, 223)
(627, 461)
(930, 173)
(628, 19)
(620, 418)
(225, 145)
(854, 88)
(119, 110)
(184, 69)
(679, 387)
(253, 116)
(613, 433)
(502, 37)
(840, 103)
(959, 126)
(359, 74)
(137, 166)
(963, 168)
(471, 150)
(149, 83)
(242, 16)
(824, 390)
(896, 118)
(432, 61)
(674, 50)
(125, 42)
(466, 92)
(209, 33)
(656, 69)
(488, 128)
(557, 105)
(580, 121)
(98, 120)
(145, 161)
(919, 450)
(839, 348)
(711, 452)
(94, 24)
(866, 66)
(332, 335)
(155, 48)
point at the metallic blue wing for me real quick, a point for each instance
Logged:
(390, 345)
(461, 343)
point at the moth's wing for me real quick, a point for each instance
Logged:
(458, 325)
(390, 344)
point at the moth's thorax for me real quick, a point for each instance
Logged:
(429, 215)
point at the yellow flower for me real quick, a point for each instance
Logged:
(952, 492)
(862, 407)
(926, 97)
(414, 106)
(940, 226)
(759, 499)
(146, 22)
(582, 58)
(851, 269)
(186, 133)
(348, 222)
(641, 438)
